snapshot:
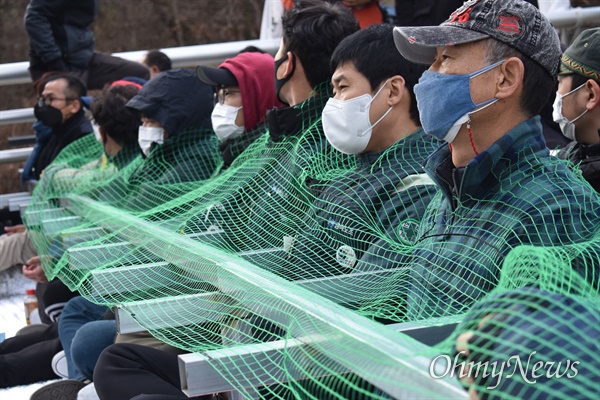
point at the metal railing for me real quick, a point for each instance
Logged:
(17, 116)
(16, 155)
(575, 17)
(188, 56)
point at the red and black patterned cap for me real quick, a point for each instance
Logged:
(516, 23)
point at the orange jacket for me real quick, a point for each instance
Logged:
(366, 15)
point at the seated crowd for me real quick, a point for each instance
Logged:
(417, 150)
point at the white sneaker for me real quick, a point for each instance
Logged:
(59, 364)
(88, 393)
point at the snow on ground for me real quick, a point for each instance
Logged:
(12, 318)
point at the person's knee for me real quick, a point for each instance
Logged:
(89, 342)
(73, 306)
(116, 355)
(79, 307)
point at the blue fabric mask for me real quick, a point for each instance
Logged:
(444, 102)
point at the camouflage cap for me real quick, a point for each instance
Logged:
(583, 55)
(513, 22)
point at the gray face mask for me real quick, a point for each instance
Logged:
(567, 127)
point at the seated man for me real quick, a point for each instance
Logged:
(61, 39)
(577, 104)
(374, 116)
(58, 107)
(553, 335)
(115, 130)
(494, 65)
(244, 83)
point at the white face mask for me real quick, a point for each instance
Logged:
(148, 135)
(347, 125)
(223, 122)
(567, 127)
(96, 129)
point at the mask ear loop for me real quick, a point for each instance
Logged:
(489, 103)
(384, 114)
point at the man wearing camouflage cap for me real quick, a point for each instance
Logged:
(493, 66)
(577, 104)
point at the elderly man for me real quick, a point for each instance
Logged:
(493, 66)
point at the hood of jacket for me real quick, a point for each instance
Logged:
(176, 99)
(254, 73)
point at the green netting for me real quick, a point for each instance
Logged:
(283, 270)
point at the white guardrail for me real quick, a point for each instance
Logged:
(188, 56)
(181, 57)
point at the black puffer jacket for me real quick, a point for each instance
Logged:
(587, 157)
(59, 33)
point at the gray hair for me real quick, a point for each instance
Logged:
(538, 84)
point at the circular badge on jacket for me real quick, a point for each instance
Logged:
(408, 231)
(346, 256)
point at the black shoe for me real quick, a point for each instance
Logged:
(66, 389)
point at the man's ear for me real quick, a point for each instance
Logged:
(510, 78)
(154, 70)
(593, 99)
(75, 106)
(289, 66)
(397, 86)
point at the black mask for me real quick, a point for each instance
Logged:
(280, 82)
(49, 115)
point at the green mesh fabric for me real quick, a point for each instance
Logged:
(297, 271)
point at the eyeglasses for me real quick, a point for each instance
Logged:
(49, 100)
(222, 94)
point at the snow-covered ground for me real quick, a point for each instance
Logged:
(12, 318)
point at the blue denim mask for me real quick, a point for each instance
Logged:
(444, 102)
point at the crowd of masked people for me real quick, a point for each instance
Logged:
(442, 121)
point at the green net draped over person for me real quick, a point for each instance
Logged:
(499, 187)
(91, 162)
(352, 210)
(256, 201)
(176, 138)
